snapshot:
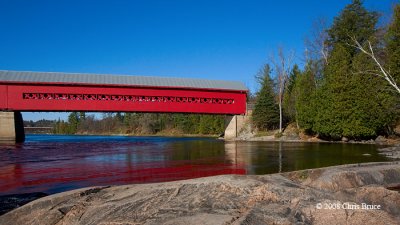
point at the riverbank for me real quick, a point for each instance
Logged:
(391, 152)
(159, 134)
(333, 195)
(292, 134)
(378, 141)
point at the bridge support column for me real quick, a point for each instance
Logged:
(235, 124)
(11, 127)
(231, 129)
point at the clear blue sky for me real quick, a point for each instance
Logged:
(219, 39)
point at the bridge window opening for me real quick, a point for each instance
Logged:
(125, 98)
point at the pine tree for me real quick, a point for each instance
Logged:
(266, 114)
(290, 95)
(349, 102)
(119, 117)
(354, 21)
(334, 103)
(82, 116)
(73, 122)
(393, 45)
(304, 90)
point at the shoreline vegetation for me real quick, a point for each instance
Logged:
(135, 124)
(314, 196)
(271, 136)
(289, 134)
(293, 134)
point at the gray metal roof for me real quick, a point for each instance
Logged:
(82, 78)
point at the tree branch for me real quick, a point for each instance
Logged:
(383, 72)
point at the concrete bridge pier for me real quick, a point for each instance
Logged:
(235, 123)
(11, 127)
(231, 130)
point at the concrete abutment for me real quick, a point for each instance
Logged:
(11, 127)
(234, 124)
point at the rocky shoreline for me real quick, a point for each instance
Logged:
(391, 152)
(292, 134)
(333, 195)
(380, 140)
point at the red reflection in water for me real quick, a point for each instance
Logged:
(56, 165)
(15, 179)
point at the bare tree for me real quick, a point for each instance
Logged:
(316, 45)
(381, 72)
(282, 66)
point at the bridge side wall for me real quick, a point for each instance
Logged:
(120, 99)
(3, 96)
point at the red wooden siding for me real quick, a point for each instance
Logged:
(57, 97)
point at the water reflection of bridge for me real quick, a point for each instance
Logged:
(255, 161)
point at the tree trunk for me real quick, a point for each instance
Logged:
(280, 114)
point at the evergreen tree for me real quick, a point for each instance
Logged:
(61, 127)
(290, 95)
(128, 119)
(304, 90)
(73, 122)
(334, 103)
(205, 125)
(393, 45)
(375, 106)
(354, 21)
(82, 116)
(349, 102)
(265, 113)
(56, 128)
(119, 117)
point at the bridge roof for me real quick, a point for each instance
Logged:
(120, 80)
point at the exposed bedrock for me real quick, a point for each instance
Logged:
(318, 196)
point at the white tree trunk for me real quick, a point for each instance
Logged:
(280, 115)
(382, 71)
(282, 69)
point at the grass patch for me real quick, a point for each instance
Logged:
(265, 133)
(278, 135)
(303, 175)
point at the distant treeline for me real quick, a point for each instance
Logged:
(342, 91)
(140, 124)
(40, 123)
(39, 127)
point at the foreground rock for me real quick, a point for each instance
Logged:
(302, 197)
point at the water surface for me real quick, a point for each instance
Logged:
(55, 163)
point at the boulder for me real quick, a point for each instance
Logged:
(380, 140)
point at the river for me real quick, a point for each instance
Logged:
(56, 163)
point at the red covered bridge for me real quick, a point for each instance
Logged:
(60, 92)
(43, 91)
